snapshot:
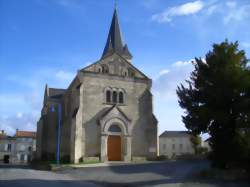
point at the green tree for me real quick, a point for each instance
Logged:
(196, 143)
(216, 100)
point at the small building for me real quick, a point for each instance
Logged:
(175, 143)
(205, 144)
(19, 148)
(6, 150)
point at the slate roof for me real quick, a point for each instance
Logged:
(114, 41)
(54, 92)
(170, 134)
(27, 134)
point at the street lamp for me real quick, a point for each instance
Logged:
(58, 131)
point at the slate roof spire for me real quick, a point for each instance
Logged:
(114, 41)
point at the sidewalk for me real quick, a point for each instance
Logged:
(102, 164)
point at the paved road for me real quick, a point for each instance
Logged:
(164, 174)
(23, 176)
(167, 174)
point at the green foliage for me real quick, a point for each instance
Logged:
(217, 101)
(196, 142)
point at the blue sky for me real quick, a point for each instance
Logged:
(47, 41)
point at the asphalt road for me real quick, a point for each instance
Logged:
(167, 174)
(23, 176)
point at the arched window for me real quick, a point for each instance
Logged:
(108, 96)
(131, 72)
(114, 97)
(121, 97)
(105, 68)
(114, 128)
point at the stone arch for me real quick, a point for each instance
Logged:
(98, 68)
(105, 95)
(105, 68)
(117, 121)
(121, 96)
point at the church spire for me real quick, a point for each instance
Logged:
(114, 41)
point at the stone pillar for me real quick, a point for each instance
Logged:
(127, 157)
(104, 139)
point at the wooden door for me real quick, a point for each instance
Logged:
(114, 148)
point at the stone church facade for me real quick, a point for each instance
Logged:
(106, 112)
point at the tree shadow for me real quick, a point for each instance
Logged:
(47, 183)
(15, 166)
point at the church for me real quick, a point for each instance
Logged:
(106, 113)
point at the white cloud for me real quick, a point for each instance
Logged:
(181, 10)
(211, 10)
(165, 84)
(22, 110)
(64, 76)
(231, 4)
(236, 12)
(182, 63)
(166, 105)
(11, 123)
(19, 115)
(165, 71)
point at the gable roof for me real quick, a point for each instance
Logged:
(53, 92)
(114, 41)
(130, 64)
(27, 134)
(115, 106)
(172, 134)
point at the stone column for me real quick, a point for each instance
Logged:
(104, 139)
(127, 157)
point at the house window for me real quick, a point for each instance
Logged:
(108, 96)
(114, 97)
(22, 157)
(164, 146)
(121, 97)
(181, 146)
(9, 147)
(173, 146)
(22, 148)
(105, 68)
(131, 72)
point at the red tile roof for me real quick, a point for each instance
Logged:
(28, 134)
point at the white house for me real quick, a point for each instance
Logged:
(175, 143)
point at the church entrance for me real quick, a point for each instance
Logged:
(115, 140)
(114, 148)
